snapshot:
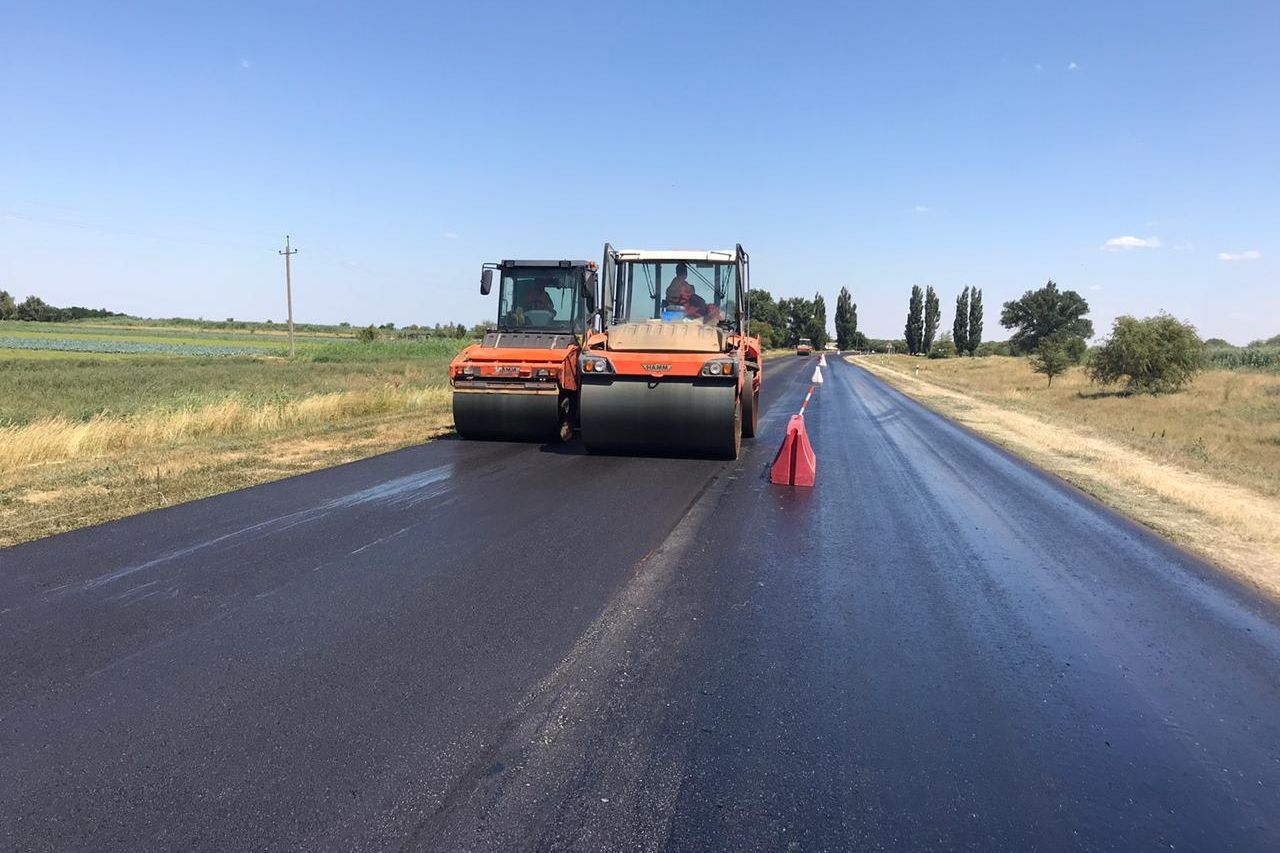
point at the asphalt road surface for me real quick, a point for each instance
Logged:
(480, 646)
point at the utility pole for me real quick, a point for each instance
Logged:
(288, 287)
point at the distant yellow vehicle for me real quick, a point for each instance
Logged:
(804, 347)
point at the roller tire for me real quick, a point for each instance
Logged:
(566, 419)
(735, 446)
(750, 411)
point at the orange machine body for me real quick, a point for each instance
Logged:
(742, 349)
(479, 366)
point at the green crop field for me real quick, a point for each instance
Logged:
(96, 336)
(1243, 358)
(101, 420)
(76, 372)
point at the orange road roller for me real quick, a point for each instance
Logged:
(520, 383)
(669, 368)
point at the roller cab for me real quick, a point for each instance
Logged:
(669, 370)
(520, 383)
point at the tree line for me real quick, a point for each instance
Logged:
(784, 322)
(924, 316)
(1159, 354)
(35, 309)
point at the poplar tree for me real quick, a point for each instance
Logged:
(974, 337)
(846, 320)
(932, 313)
(915, 320)
(818, 325)
(960, 327)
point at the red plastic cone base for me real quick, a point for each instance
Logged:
(795, 464)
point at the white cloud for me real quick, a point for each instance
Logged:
(1095, 287)
(920, 208)
(1115, 244)
(245, 63)
(1073, 67)
(1251, 255)
(449, 235)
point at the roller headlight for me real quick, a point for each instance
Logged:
(596, 364)
(722, 367)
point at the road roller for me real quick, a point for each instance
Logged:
(669, 368)
(520, 382)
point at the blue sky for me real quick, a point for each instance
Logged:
(156, 154)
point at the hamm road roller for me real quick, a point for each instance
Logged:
(670, 368)
(521, 381)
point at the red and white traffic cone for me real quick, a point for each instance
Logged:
(795, 464)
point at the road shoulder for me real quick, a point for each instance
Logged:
(1235, 528)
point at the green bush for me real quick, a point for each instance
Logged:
(1155, 355)
(944, 348)
(993, 348)
(1055, 354)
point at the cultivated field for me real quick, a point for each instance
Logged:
(134, 337)
(107, 421)
(1201, 466)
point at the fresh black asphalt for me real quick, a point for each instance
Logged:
(494, 646)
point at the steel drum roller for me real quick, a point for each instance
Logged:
(507, 415)
(667, 417)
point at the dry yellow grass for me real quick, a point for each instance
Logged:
(57, 475)
(57, 439)
(1225, 425)
(1201, 467)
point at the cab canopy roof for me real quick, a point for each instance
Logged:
(507, 264)
(699, 255)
